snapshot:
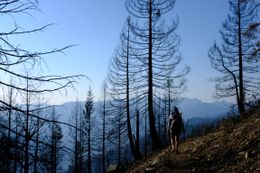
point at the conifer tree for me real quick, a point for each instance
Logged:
(234, 57)
(88, 113)
(156, 47)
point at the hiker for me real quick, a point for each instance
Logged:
(175, 127)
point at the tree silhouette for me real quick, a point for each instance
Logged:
(16, 62)
(77, 136)
(156, 48)
(87, 113)
(56, 136)
(104, 125)
(234, 58)
(121, 81)
(117, 129)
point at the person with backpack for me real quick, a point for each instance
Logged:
(175, 127)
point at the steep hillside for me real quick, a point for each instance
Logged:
(233, 147)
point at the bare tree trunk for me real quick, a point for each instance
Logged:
(52, 151)
(75, 148)
(104, 132)
(137, 142)
(87, 112)
(36, 147)
(241, 105)
(9, 128)
(165, 121)
(16, 144)
(119, 138)
(27, 135)
(53, 146)
(80, 147)
(89, 150)
(155, 139)
(134, 150)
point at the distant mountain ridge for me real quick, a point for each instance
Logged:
(195, 108)
(189, 107)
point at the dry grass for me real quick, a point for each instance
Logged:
(233, 147)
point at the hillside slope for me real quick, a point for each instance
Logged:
(233, 147)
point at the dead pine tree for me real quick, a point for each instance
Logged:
(88, 113)
(235, 58)
(121, 81)
(156, 47)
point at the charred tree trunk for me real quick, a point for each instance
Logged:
(76, 146)
(135, 152)
(89, 150)
(104, 132)
(27, 134)
(241, 105)
(155, 138)
(36, 147)
(137, 142)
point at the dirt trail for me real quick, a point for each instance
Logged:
(233, 147)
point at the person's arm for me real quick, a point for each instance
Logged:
(169, 123)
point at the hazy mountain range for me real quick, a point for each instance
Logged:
(195, 108)
(189, 107)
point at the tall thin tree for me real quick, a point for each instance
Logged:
(234, 58)
(157, 50)
(87, 112)
(122, 70)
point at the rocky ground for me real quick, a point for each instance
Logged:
(233, 147)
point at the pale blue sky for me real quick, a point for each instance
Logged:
(95, 25)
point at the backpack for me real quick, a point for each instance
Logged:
(177, 123)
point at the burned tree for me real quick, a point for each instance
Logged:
(121, 81)
(157, 51)
(235, 57)
(88, 127)
(14, 60)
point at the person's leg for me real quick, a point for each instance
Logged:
(172, 142)
(177, 142)
(169, 134)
